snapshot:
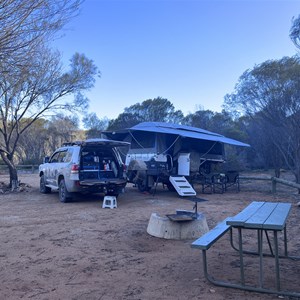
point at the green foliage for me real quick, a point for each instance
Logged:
(201, 119)
(124, 120)
(270, 95)
(271, 88)
(295, 31)
(221, 123)
(94, 125)
(151, 110)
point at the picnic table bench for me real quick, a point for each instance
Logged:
(209, 238)
(259, 216)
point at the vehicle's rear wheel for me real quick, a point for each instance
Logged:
(43, 188)
(64, 195)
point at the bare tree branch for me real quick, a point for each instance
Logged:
(32, 81)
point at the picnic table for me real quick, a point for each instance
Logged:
(263, 217)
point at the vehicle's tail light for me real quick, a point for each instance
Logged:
(124, 168)
(74, 169)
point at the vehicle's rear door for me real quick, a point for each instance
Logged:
(107, 163)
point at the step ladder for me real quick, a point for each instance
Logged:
(182, 186)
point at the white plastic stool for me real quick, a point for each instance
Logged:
(109, 202)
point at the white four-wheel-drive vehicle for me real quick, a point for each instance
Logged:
(90, 166)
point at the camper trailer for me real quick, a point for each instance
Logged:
(160, 150)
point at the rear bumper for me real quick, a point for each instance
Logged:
(102, 186)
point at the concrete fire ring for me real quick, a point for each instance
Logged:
(163, 227)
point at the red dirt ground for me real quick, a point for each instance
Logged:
(78, 250)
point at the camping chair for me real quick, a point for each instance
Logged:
(206, 181)
(218, 182)
(232, 179)
(212, 183)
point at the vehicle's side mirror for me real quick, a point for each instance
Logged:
(46, 159)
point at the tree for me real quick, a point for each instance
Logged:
(151, 110)
(124, 120)
(35, 92)
(44, 136)
(25, 24)
(201, 119)
(156, 110)
(221, 123)
(94, 125)
(32, 143)
(35, 87)
(264, 153)
(224, 124)
(60, 129)
(270, 93)
(295, 31)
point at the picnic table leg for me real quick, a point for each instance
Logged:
(285, 255)
(285, 242)
(260, 251)
(276, 261)
(205, 264)
(269, 243)
(241, 256)
(231, 240)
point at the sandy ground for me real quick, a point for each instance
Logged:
(78, 250)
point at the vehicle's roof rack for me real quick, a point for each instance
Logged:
(72, 143)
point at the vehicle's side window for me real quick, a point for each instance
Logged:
(59, 157)
(54, 158)
(62, 156)
(68, 156)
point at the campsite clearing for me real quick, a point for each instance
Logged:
(78, 250)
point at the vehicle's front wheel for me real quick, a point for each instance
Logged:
(64, 195)
(43, 188)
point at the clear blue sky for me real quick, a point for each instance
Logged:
(191, 52)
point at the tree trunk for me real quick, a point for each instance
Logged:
(13, 178)
(13, 173)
